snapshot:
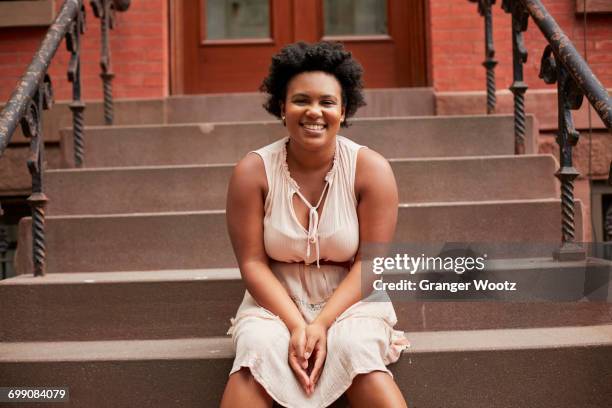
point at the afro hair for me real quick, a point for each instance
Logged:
(330, 57)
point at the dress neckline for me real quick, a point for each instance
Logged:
(312, 233)
(285, 166)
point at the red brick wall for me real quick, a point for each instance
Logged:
(457, 35)
(139, 46)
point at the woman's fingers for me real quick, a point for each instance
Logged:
(299, 372)
(299, 348)
(318, 366)
(311, 342)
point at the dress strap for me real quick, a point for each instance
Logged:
(313, 223)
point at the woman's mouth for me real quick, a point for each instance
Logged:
(313, 127)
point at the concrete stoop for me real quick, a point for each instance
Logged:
(564, 367)
(222, 143)
(204, 187)
(142, 279)
(199, 303)
(241, 107)
(198, 239)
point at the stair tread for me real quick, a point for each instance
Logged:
(165, 275)
(401, 205)
(355, 120)
(221, 347)
(226, 274)
(490, 158)
(396, 137)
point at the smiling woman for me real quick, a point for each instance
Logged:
(298, 211)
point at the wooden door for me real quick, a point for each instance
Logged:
(227, 45)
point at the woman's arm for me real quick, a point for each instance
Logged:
(377, 197)
(245, 212)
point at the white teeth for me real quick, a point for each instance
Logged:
(314, 127)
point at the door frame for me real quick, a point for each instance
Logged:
(303, 9)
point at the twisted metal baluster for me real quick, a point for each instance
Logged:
(73, 44)
(31, 124)
(105, 10)
(484, 9)
(520, 18)
(489, 62)
(569, 97)
(4, 246)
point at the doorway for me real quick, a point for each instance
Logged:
(223, 46)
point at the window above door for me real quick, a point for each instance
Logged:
(347, 18)
(241, 21)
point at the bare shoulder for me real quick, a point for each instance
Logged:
(249, 175)
(373, 173)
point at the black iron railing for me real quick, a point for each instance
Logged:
(563, 65)
(35, 93)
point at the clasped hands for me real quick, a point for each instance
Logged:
(307, 352)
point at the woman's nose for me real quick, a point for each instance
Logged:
(313, 112)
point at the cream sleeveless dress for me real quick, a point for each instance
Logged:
(362, 338)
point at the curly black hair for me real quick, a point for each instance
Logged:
(330, 57)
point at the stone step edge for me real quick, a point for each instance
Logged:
(223, 165)
(231, 274)
(401, 205)
(221, 347)
(208, 126)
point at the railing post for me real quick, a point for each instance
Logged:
(489, 62)
(104, 10)
(31, 124)
(484, 9)
(569, 97)
(73, 44)
(520, 18)
(4, 246)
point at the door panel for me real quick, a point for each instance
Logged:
(226, 46)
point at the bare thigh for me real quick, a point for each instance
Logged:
(242, 389)
(375, 390)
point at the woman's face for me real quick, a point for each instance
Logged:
(313, 109)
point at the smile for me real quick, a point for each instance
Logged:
(313, 126)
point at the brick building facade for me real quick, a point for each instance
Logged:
(141, 49)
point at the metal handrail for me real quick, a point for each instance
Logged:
(565, 53)
(563, 65)
(34, 93)
(31, 81)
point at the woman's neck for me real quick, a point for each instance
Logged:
(310, 161)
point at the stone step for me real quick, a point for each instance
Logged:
(545, 367)
(240, 107)
(199, 303)
(222, 143)
(232, 107)
(194, 240)
(204, 187)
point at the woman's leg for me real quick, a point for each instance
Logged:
(242, 390)
(375, 390)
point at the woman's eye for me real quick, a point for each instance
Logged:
(328, 103)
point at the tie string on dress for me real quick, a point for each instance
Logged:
(313, 223)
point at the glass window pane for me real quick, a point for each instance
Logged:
(230, 19)
(355, 17)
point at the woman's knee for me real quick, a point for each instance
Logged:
(261, 338)
(376, 389)
(351, 347)
(241, 387)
